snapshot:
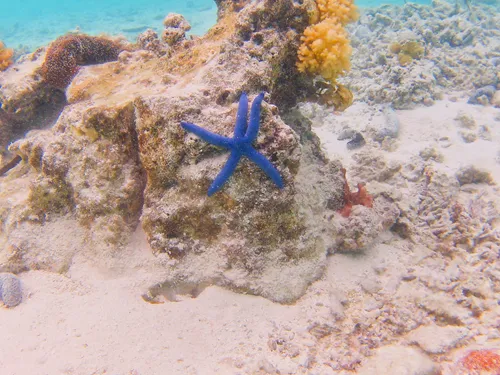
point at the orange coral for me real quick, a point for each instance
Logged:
(482, 360)
(342, 10)
(361, 197)
(325, 48)
(5, 57)
(66, 53)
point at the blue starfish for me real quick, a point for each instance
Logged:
(240, 145)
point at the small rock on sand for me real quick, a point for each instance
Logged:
(10, 289)
(398, 360)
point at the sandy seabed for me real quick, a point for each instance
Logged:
(94, 320)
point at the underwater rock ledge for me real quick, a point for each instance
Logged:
(118, 157)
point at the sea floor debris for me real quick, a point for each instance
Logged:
(109, 204)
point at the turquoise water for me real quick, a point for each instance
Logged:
(29, 24)
(33, 23)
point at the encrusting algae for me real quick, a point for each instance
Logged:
(326, 48)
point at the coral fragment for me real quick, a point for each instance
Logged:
(361, 197)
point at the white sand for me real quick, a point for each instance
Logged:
(93, 319)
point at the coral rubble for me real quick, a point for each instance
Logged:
(414, 53)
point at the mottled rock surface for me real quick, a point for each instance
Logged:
(26, 102)
(117, 156)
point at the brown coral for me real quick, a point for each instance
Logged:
(361, 197)
(5, 57)
(66, 53)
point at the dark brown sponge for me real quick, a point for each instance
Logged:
(68, 52)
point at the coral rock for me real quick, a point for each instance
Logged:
(118, 151)
(27, 102)
(72, 177)
(149, 41)
(175, 28)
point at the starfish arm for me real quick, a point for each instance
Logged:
(253, 124)
(215, 139)
(225, 173)
(266, 166)
(241, 117)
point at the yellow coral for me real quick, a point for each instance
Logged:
(407, 51)
(5, 57)
(414, 49)
(325, 50)
(342, 10)
(341, 98)
(404, 59)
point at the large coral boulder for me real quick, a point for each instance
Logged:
(84, 171)
(118, 157)
(242, 235)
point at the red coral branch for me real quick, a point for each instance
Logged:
(350, 199)
(66, 53)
